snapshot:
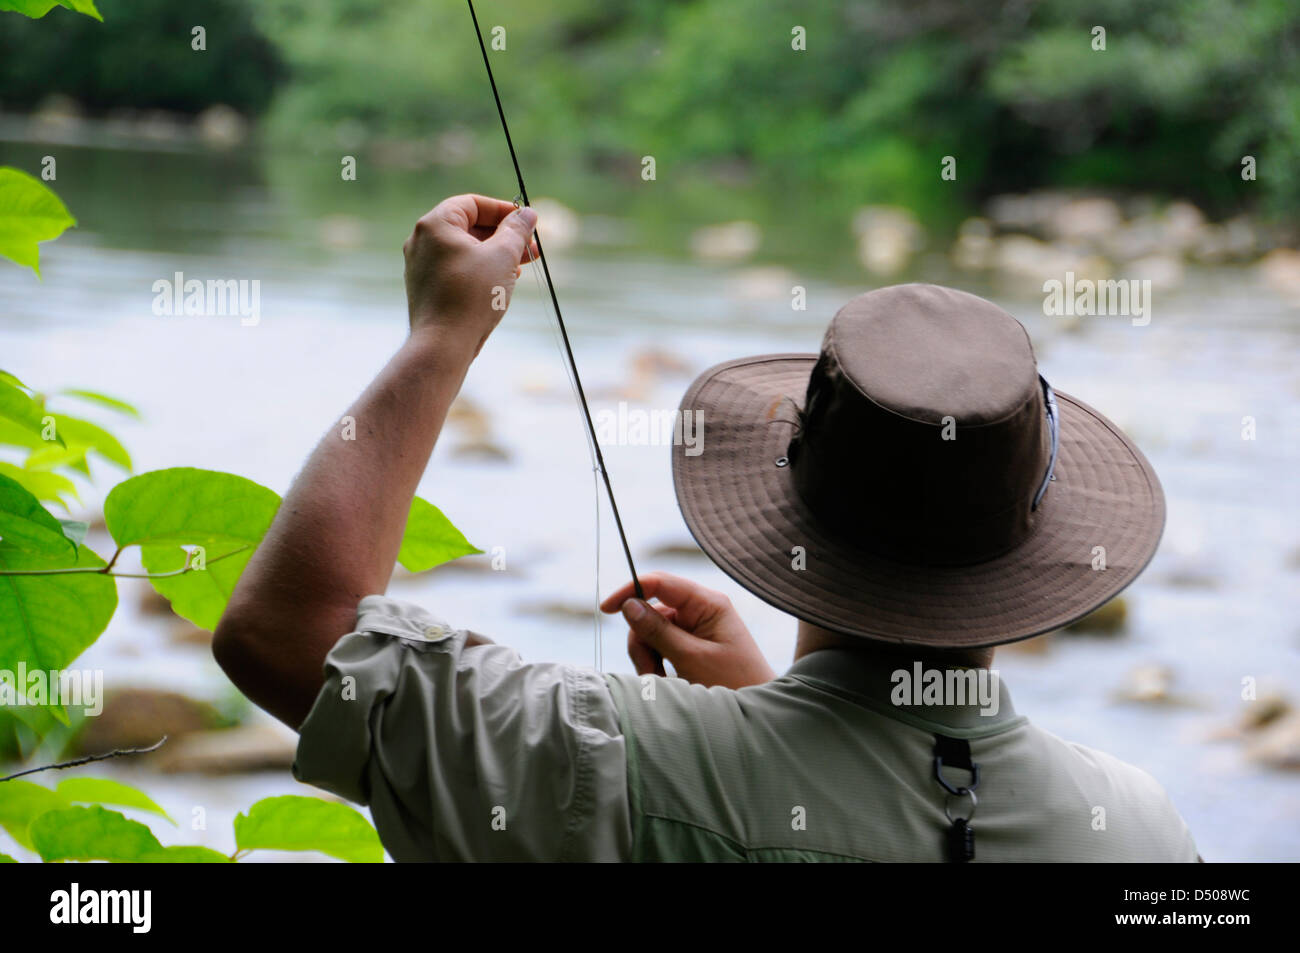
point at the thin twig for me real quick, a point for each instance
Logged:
(75, 762)
(103, 570)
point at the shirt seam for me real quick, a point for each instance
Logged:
(582, 770)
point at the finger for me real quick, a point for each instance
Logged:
(483, 233)
(645, 660)
(466, 212)
(515, 233)
(656, 631)
(689, 598)
(668, 612)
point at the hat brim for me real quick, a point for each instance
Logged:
(742, 509)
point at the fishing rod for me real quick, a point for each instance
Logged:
(555, 303)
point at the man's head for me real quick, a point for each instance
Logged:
(917, 482)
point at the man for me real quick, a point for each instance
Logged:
(913, 495)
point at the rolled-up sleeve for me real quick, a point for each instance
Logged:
(466, 753)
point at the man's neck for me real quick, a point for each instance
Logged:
(814, 639)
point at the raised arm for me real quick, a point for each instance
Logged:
(336, 536)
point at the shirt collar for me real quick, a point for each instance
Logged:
(911, 693)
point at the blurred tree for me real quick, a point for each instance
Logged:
(141, 57)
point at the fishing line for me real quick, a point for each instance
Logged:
(572, 364)
(597, 642)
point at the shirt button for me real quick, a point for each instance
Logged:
(435, 632)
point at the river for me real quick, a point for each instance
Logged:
(1218, 604)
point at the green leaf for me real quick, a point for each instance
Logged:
(23, 410)
(201, 594)
(38, 8)
(431, 539)
(112, 403)
(48, 487)
(185, 854)
(91, 833)
(167, 509)
(46, 621)
(185, 506)
(29, 212)
(292, 822)
(79, 435)
(105, 791)
(26, 525)
(75, 530)
(21, 802)
(6, 859)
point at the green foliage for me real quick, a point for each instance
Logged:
(106, 791)
(26, 525)
(53, 441)
(884, 90)
(46, 621)
(140, 57)
(57, 596)
(104, 400)
(20, 411)
(91, 833)
(29, 214)
(431, 539)
(166, 510)
(306, 823)
(21, 802)
(51, 824)
(38, 8)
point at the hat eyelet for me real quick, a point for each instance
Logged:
(782, 461)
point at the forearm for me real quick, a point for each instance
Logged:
(337, 533)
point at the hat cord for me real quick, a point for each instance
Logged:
(1054, 425)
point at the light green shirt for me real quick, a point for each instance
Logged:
(467, 753)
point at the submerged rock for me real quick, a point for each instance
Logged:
(1277, 744)
(221, 126)
(732, 241)
(770, 283)
(262, 747)
(473, 426)
(680, 550)
(1108, 619)
(1147, 684)
(975, 246)
(888, 236)
(485, 450)
(138, 717)
(554, 609)
(153, 603)
(1089, 219)
(342, 232)
(558, 224)
(1280, 270)
(186, 633)
(1163, 271)
(1032, 212)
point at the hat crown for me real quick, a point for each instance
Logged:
(922, 433)
(930, 353)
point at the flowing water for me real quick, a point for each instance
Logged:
(1217, 605)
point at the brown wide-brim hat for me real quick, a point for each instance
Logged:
(902, 485)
